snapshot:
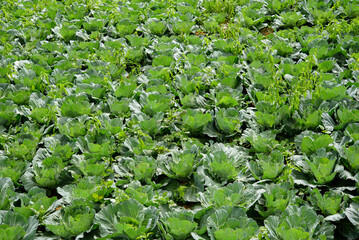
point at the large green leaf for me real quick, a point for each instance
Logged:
(128, 219)
(7, 193)
(353, 214)
(179, 229)
(75, 106)
(195, 121)
(299, 223)
(178, 224)
(17, 226)
(231, 222)
(310, 145)
(70, 220)
(276, 199)
(329, 203)
(234, 194)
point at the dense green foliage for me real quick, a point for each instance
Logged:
(179, 119)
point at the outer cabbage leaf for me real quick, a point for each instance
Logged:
(119, 108)
(37, 203)
(228, 221)
(92, 24)
(322, 165)
(263, 142)
(141, 168)
(352, 214)
(7, 114)
(145, 194)
(228, 120)
(138, 146)
(195, 121)
(24, 147)
(14, 226)
(73, 127)
(91, 166)
(126, 220)
(311, 145)
(75, 106)
(50, 173)
(329, 203)
(270, 115)
(156, 27)
(96, 91)
(352, 131)
(19, 95)
(137, 41)
(125, 90)
(43, 115)
(275, 199)
(352, 157)
(66, 32)
(7, 193)
(135, 56)
(179, 229)
(101, 144)
(299, 223)
(88, 188)
(177, 224)
(182, 27)
(179, 165)
(70, 220)
(291, 19)
(12, 168)
(267, 166)
(125, 29)
(225, 163)
(156, 103)
(234, 194)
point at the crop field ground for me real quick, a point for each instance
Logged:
(179, 119)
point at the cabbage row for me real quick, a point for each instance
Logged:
(179, 119)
